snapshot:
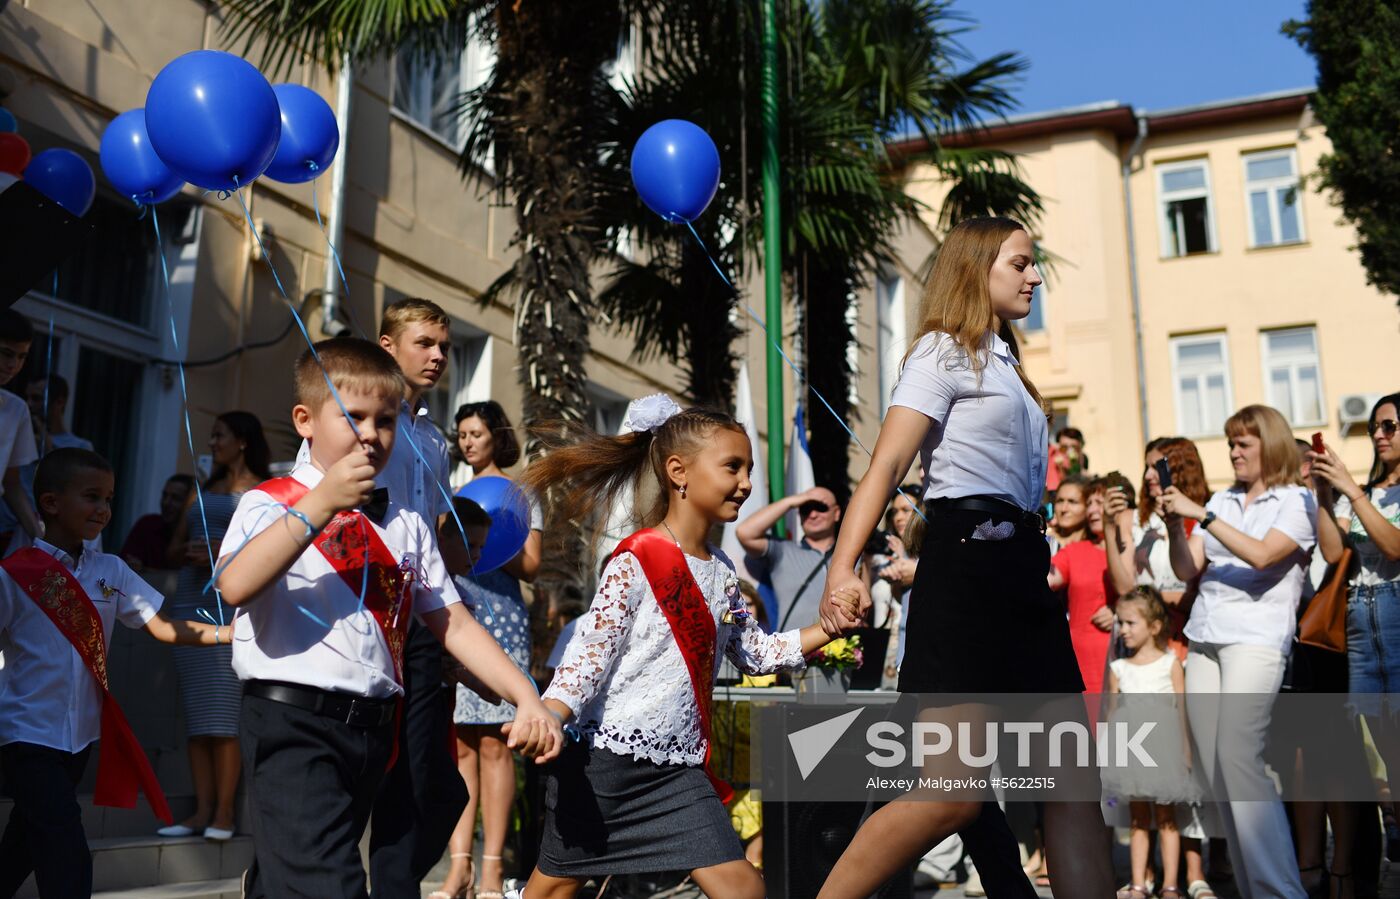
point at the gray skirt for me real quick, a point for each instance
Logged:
(608, 814)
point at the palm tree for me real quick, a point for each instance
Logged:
(855, 75)
(538, 119)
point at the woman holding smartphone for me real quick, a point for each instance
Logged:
(983, 620)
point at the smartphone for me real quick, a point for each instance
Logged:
(1318, 446)
(1164, 473)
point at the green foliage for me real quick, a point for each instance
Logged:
(1357, 47)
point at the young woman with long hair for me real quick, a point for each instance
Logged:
(983, 620)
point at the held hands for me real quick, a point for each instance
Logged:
(900, 572)
(845, 604)
(347, 484)
(536, 733)
(1329, 473)
(1176, 503)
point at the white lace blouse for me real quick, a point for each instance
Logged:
(623, 675)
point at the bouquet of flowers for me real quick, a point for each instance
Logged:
(838, 655)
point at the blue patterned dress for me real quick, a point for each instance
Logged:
(497, 603)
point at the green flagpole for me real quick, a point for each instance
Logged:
(772, 262)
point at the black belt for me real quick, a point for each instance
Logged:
(992, 506)
(356, 711)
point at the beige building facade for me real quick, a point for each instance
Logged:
(1194, 271)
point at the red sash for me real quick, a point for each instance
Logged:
(347, 543)
(122, 768)
(692, 624)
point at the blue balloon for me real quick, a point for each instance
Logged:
(309, 135)
(7, 120)
(64, 177)
(675, 168)
(213, 119)
(510, 520)
(130, 163)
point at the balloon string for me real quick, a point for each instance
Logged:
(461, 529)
(185, 409)
(301, 325)
(777, 346)
(335, 254)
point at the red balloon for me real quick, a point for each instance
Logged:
(14, 153)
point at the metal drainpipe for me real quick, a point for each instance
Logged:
(335, 216)
(1133, 276)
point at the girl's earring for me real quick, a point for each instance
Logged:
(682, 491)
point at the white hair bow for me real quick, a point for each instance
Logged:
(649, 413)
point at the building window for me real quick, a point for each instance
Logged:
(1293, 375)
(609, 409)
(468, 378)
(1188, 219)
(1271, 196)
(1201, 372)
(892, 338)
(429, 87)
(1035, 322)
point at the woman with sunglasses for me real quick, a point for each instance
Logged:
(1367, 518)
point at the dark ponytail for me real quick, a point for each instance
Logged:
(585, 471)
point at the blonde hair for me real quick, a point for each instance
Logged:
(957, 299)
(1278, 454)
(1154, 608)
(351, 364)
(401, 314)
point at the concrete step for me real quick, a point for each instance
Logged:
(226, 888)
(101, 822)
(144, 862)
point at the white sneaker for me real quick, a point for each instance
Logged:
(518, 893)
(973, 885)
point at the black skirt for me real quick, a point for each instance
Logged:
(981, 618)
(610, 814)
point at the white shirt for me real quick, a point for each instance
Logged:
(409, 482)
(624, 677)
(16, 432)
(1371, 567)
(47, 694)
(274, 639)
(989, 437)
(1238, 604)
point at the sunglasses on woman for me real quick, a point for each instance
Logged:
(1387, 426)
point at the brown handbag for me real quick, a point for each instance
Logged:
(1324, 622)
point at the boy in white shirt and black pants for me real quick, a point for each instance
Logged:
(321, 665)
(58, 605)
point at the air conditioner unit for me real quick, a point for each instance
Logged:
(1355, 409)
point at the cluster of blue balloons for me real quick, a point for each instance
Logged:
(213, 120)
(675, 168)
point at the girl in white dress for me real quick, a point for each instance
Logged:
(1150, 670)
(635, 681)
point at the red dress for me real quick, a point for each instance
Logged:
(1084, 566)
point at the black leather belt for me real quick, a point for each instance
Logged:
(992, 506)
(356, 711)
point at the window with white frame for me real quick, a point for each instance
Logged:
(891, 340)
(1187, 215)
(429, 87)
(468, 378)
(1271, 196)
(1201, 373)
(609, 409)
(1293, 375)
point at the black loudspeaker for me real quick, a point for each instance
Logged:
(803, 840)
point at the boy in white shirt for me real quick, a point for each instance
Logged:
(320, 645)
(16, 432)
(58, 604)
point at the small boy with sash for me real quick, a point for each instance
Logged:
(326, 571)
(58, 604)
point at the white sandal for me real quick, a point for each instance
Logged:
(468, 889)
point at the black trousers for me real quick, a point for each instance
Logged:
(311, 784)
(45, 832)
(997, 855)
(422, 798)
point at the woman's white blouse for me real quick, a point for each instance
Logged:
(1371, 567)
(1241, 604)
(624, 677)
(989, 437)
